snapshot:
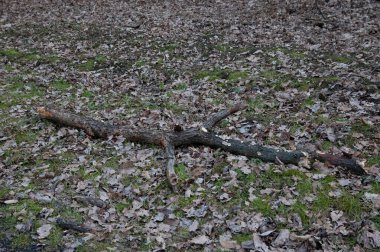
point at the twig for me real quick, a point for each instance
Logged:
(68, 224)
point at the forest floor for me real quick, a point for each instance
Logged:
(309, 74)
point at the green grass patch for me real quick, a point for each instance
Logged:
(168, 47)
(182, 201)
(373, 160)
(275, 79)
(138, 104)
(376, 221)
(350, 204)
(21, 241)
(92, 63)
(181, 86)
(239, 238)
(301, 210)
(4, 192)
(25, 137)
(327, 145)
(140, 63)
(304, 187)
(96, 246)
(256, 103)
(221, 48)
(363, 128)
(11, 54)
(28, 204)
(349, 140)
(17, 56)
(341, 59)
(181, 171)
(55, 237)
(9, 68)
(174, 107)
(375, 187)
(88, 94)
(69, 213)
(308, 102)
(8, 222)
(322, 203)
(292, 53)
(219, 167)
(60, 84)
(17, 92)
(112, 162)
(86, 66)
(247, 179)
(120, 206)
(279, 179)
(218, 74)
(262, 206)
(85, 174)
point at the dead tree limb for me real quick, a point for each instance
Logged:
(196, 136)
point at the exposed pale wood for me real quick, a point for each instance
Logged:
(195, 136)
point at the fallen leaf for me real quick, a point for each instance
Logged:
(44, 231)
(282, 238)
(259, 244)
(200, 240)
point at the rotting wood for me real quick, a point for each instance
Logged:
(196, 136)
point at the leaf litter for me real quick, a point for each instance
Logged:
(310, 80)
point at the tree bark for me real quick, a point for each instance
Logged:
(196, 136)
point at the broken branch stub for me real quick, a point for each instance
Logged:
(195, 136)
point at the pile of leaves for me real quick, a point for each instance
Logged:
(308, 70)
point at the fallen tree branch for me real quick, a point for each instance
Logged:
(196, 136)
(69, 224)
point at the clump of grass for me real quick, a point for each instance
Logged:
(113, 162)
(61, 84)
(322, 203)
(341, 59)
(181, 171)
(262, 206)
(181, 86)
(304, 187)
(301, 210)
(373, 160)
(119, 206)
(376, 221)
(21, 241)
(218, 74)
(70, 213)
(239, 238)
(85, 175)
(247, 179)
(11, 54)
(86, 66)
(327, 145)
(184, 202)
(55, 238)
(363, 128)
(376, 187)
(92, 64)
(168, 47)
(350, 204)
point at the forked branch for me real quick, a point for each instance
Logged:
(196, 136)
